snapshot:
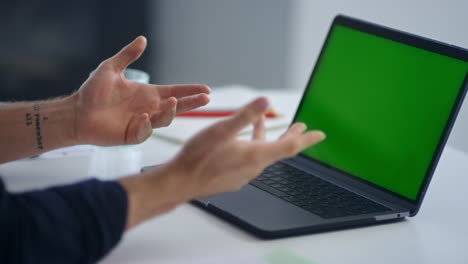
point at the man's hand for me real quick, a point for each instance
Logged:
(106, 110)
(215, 161)
(114, 111)
(212, 162)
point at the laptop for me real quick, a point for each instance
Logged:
(387, 101)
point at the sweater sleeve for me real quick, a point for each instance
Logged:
(77, 223)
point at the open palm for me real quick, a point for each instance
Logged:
(114, 111)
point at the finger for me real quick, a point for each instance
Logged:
(259, 129)
(128, 54)
(183, 90)
(139, 129)
(292, 145)
(162, 105)
(188, 103)
(247, 115)
(166, 115)
(295, 129)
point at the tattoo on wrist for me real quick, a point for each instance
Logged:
(28, 119)
(37, 122)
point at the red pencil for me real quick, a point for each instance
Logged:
(220, 113)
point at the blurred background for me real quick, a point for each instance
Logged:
(49, 47)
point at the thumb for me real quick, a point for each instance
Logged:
(128, 54)
(139, 129)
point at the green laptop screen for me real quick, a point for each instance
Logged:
(383, 105)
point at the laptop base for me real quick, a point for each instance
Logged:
(268, 217)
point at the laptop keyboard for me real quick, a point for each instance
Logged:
(312, 193)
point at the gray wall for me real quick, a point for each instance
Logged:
(220, 42)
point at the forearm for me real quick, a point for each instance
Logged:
(152, 193)
(31, 128)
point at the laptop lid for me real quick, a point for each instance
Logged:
(387, 101)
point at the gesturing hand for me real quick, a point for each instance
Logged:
(215, 161)
(114, 111)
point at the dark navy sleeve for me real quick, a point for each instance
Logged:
(77, 223)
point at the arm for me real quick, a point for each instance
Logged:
(106, 110)
(81, 222)
(35, 127)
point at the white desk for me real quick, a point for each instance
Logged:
(438, 234)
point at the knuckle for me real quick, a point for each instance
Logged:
(106, 64)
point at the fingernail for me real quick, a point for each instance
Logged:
(320, 135)
(261, 104)
(301, 126)
(142, 37)
(206, 97)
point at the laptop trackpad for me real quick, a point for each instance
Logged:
(262, 210)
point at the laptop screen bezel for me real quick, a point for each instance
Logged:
(411, 40)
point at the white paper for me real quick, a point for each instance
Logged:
(232, 97)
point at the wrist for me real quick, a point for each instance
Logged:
(178, 181)
(168, 180)
(72, 106)
(52, 123)
(63, 119)
(150, 194)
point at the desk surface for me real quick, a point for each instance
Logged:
(438, 234)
